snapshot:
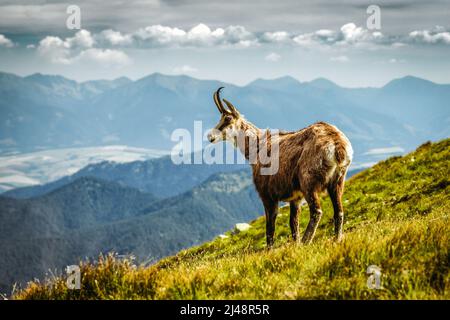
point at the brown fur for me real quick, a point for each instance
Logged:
(311, 160)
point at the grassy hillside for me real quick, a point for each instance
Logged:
(396, 218)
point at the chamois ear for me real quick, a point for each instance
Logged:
(232, 108)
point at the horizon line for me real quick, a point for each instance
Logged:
(224, 82)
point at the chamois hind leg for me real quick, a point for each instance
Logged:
(315, 214)
(335, 190)
(271, 211)
(293, 219)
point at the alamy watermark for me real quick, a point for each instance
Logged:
(73, 21)
(373, 22)
(374, 278)
(73, 281)
(262, 149)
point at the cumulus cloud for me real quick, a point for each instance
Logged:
(56, 49)
(348, 35)
(278, 36)
(340, 59)
(79, 48)
(163, 36)
(60, 51)
(107, 57)
(272, 57)
(438, 35)
(5, 42)
(318, 37)
(184, 69)
(115, 37)
(103, 47)
(82, 38)
(237, 36)
(158, 36)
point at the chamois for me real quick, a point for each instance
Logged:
(311, 160)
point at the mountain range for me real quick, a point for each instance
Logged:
(159, 176)
(89, 216)
(152, 207)
(41, 167)
(47, 112)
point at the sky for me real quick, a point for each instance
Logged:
(232, 41)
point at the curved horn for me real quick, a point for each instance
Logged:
(231, 107)
(218, 102)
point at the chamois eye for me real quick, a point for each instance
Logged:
(228, 118)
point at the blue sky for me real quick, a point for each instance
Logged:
(234, 41)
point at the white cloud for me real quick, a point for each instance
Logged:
(5, 42)
(82, 39)
(351, 33)
(318, 37)
(54, 48)
(203, 36)
(348, 35)
(102, 46)
(342, 59)
(184, 69)
(115, 37)
(237, 35)
(160, 34)
(278, 36)
(31, 46)
(382, 151)
(436, 36)
(272, 57)
(61, 51)
(79, 48)
(106, 57)
(199, 36)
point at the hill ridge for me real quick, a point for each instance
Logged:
(396, 218)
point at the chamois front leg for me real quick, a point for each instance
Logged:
(315, 215)
(293, 219)
(271, 212)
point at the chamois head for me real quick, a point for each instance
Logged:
(228, 125)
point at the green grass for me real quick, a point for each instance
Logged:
(396, 218)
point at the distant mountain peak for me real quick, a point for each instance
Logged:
(51, 79)
(158, 78)
(123, 79)
(413, 78)
(48, 78)
(285, 83)
(86, 183)
(9, 76)
(227, 182)
(323, 83)
(35, 75)
(409, 81)
(283, 80)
